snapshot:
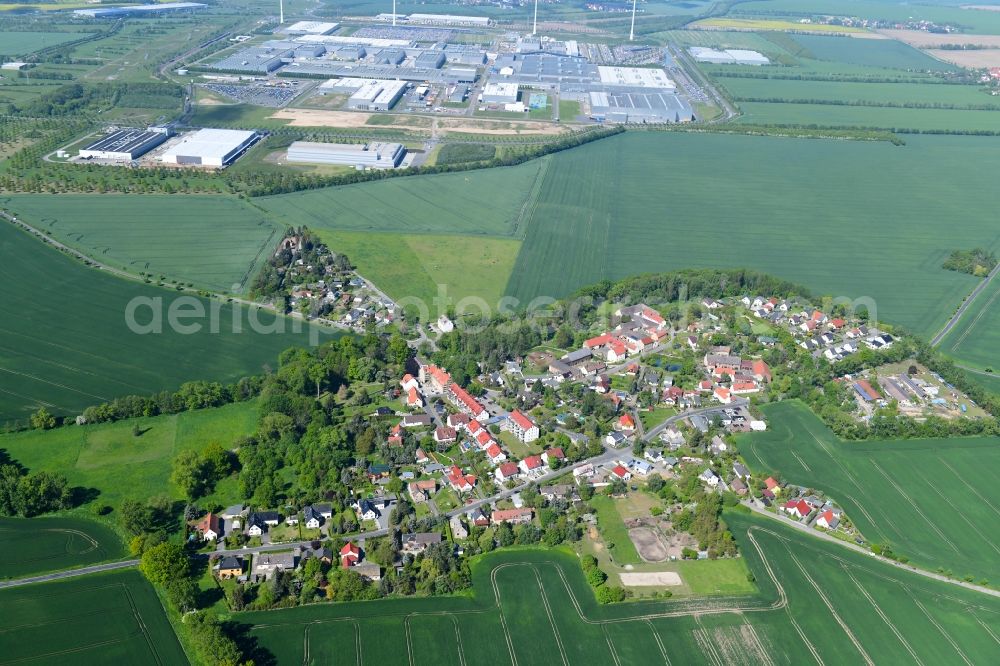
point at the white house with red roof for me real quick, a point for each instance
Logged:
(350, 555)
(413, 398)
(467, 403)
(798, 508)
(460, 481)
(512, 516)
(506, 471)
(744, 387)
(616, 351)
(626, 423)
(828, 520)
(555, 453)
(761, 371)
(434, 379)
(532, 465)
(521, 426)
(484, 439)
(409, 382)
(495, 453)
(722, 394)
(620, 472)
(444, 435)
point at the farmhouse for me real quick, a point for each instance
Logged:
(512, 516)
(209, 527)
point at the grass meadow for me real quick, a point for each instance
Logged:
(23, 43)
(109, 457)
(831, 604)
(843, 218)
(214, 242)
(886, 53)
(852, 91)
(931, 500)
(100, 619)
(976, 338)
(831, 115)
(65, 344)
(54, 543)
(414, 265)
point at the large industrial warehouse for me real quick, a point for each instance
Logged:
(125, 145)
(359, 155)
(209, 147)
(376, 95)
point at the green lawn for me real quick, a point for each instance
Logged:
(215, 242)
(537, 609)
(99, 619)
(414, 266)
(112, 460)
(712, 577)
(569, 109)
(932, 499)
(65, 343)
(54, 543)
(655, 417)
(613, 531)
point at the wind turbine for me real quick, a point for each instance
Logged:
(534, 25)
(631, 31)
(281, 12)
(393, 13)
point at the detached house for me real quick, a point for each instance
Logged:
(209, 527)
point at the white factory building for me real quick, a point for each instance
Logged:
(376, 95)
(209, 147)
(500, 93)
(358, 155)
(311, 28)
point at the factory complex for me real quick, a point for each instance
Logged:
(357, 155)
(209, 147)
(125, 145)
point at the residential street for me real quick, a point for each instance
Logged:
(656, 430)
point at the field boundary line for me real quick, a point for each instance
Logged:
(503, 620)
(458, 641)
(82, 648)
(830, 607)
(142, 625)
(801, 461)
(960, 513)
(968, 485)
(881, 613)
(409, 641)
(916, 508)
(659, 643)
(548, 612)
(704, 640)
(987, 628)
(611, 647)
(938, 626)
(762, 652)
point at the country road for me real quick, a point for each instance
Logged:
(936, 340)
(70, 573)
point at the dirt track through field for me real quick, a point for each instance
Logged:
(356, 119)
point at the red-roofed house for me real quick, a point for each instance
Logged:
(521, 426)
(506, 471)
(599, 341)
(421, 490)
(484, 439)
(414, 399)
(395, 441)
(626, 423)
(434, 379)
(512, 516)
(421, 456)
(409, 382)
(761, 371)
(468, 404)
(350, 555)
(462, 483)
(209, 527)
(772, 485)
(495, 453)
(555, 453)
(531, 464)
(837, 323)
(651, 316)
(828, 520)
(621, 473)
(798, 508)
(721, 394)
(616, 350)
(444, 434)
(744, 387)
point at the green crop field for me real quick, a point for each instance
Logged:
(829, 115)
(976, 338)
(887, 53)
(841, 217)
(65, 343)
(875, 93)
(50, 544)
(23, 43)
(437, 204)
(110, 458)
(214, 242)
(830, 605)
(932, 500)
(102, 619)
(414, 265)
